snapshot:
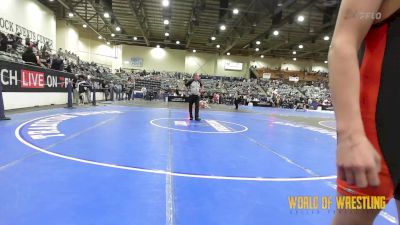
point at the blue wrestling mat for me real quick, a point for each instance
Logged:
(117, 165)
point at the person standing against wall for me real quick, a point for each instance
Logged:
(237, 100)
(88, 90)
(117, 91)
(81, 89)
(75, 89)
(195, 88)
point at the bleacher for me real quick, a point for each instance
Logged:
(312, 86)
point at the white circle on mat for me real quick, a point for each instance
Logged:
(164, 172)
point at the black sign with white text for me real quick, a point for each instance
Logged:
(16, 77)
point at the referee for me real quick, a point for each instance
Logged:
(195, 87)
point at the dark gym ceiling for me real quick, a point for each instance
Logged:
(194, 22)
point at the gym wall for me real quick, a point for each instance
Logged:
(154, 58)
(183, 61)
(163, 59)
(87, 46)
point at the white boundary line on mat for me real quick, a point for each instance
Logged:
(321, 123)
(163, 172)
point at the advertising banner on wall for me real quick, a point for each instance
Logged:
(294, 79)
(16, 77)
(137, 62)
(233, 66)
(267, 76)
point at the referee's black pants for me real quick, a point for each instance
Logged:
(237, 103)
(196, 100)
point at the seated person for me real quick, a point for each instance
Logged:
(58, 63)
(30, 57)
(3, 42)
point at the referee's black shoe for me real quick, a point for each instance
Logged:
(198, 119)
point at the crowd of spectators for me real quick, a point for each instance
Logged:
(222, 90)
(158, 84)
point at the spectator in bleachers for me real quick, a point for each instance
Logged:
(68, 68)
(3, 42)
(58, 63)
(30, 57)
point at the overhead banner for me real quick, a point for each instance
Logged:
(267, 76)
(294, 79)
(16, 77)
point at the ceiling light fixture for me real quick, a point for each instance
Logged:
(165, 3)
